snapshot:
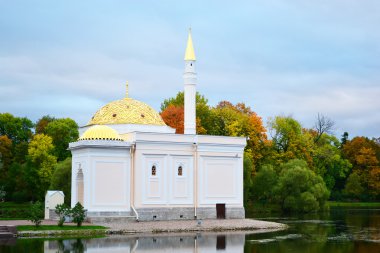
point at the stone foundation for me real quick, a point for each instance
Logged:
(187, 213)
(109, 214)
(150, 214)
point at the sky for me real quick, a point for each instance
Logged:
(280, 57)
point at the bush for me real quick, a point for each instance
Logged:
(300, 189)
(36, 213)
(62, 210)
(78, 214)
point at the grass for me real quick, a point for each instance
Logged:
(55, 227)
(353, 204)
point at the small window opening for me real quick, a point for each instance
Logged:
(154, 170)
(114, 115)
(180, 171)
(191, 64)
(142, 116)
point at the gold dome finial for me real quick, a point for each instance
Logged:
(126, 92)
(189, 54)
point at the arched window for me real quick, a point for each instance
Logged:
(154, 170)
(180, 171)
(80, 186)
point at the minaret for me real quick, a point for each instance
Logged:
(190, 81)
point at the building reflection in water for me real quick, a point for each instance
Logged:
(205, 242)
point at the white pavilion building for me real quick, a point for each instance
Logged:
(128, 162)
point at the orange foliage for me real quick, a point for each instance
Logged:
(173, 116)
(374, 180)
(362, 154)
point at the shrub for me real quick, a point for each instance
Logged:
(300, 189)
(62, 210)
(78, 214)
(36, 213)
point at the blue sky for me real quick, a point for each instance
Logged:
(295, 57)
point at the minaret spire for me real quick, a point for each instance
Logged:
(190, 82)
(189, 54)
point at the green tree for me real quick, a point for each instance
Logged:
(17, 129)
(40, 156)
(63, 131)
(299, 188)
(78, 213)
(247, 176)
(61, 179)
(62, 210)
(18, 186)
(36, 213)
(264, 184)
(353, 188)
(329, 162)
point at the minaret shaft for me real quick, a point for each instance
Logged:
(190, 82)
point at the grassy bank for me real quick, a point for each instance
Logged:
(55, 227)
(353, 204)
(55, 231)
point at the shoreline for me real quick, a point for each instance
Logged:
(164, 227)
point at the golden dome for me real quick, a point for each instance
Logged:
(126, 111)
(100, 133)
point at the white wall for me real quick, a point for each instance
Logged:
(106, 177)
(219, 170)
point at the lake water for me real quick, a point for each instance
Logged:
(342, 230)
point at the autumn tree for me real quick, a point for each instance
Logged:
(290, 140)
(42, 124)
(5, 152)
(19, 130)
(202, 112)
(363, 154)
(174, 117)
(40, 155)
(5, 158)
(240, 120)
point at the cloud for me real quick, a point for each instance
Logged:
(279, 57)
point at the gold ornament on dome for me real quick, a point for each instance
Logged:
(127, 111)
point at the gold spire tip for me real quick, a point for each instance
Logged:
(190, 54)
